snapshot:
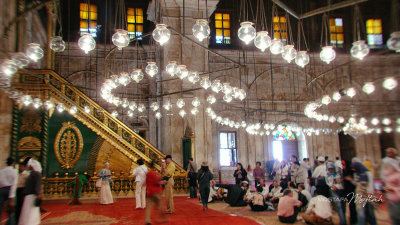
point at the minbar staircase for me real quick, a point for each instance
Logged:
(49, 85)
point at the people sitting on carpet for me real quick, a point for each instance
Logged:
(264, 187)
(297, 194)
(288, 207)
(236, 193)
(275, 193)
(256, 200)
(319, 210)
(304, 192)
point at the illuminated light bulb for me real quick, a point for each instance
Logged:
(209, 110)
(340, 119)
(172, 68)
(161, 34)
(86, 43)
(211, 99)
(57, 44)
(226, 88)
(236, 92)
(359, 49)
(137, 75)
(389, 83)
(326, 100)
(398, 129)
(26, 100)
(388, 129)
(227, 98)
(378, 130)
(289, 53)
(182, 113)
(114, 114)
(237, 125)
(351, 92)
(167, 105)
(120, 39)
(205, 83)
(332, 119)
(130, 113)
(231, 123)
(48, 104)
(20, 59)
(196, 102)
(116, 101)
(194, 111)
(37, 103)
(267, 133)
(375, 121)
(242, 94)
(327, 54)
(158, 115)
(276, 47)
(262, 40)
(386, 121)
(87, 109)
(336, 96)
(180, 103)
(60, 108)
(124, 79)
(325, 117)
(302, 59)
(73, 110)
(193, 77)
(368, 88)
(363, 120)
(183, 72)
(132, 105)
(393, 43)
(34, 52)
(246, 32)
(154, 106)
(9, 68)
(216, 86)
(151, 69)
(398, 121)
(243, 124)
(141, 107)
(201, 29)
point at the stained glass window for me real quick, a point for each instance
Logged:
(222, 28)
(280, 31)
(88, 23)
(374, 32)
(284, 135)
(135, 22)
(336, 28)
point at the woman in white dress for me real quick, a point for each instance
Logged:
(105, 190)
(30, 213)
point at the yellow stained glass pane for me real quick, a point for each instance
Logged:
(218, 16)
(139, 12)
(226, 24)
(131, 27)
(139, 19)
(339, 29)
(227, 33)
(377, 23)
(283, 26)
(333, 37)
(370, 30)
(332, 22)
(83, 15)
(218, 24)
(284, 35)
(276, 26)
(93, 16)
(378, 30)
(93, 24)
(218, 32)
(283, 19)
(277, 35)
(276, 19)
(340, 37)
(131, 19)
(370, 22)
(93, 8)
(83, 7)
(131, 12)
(226, 16)
(139, 28)
(83, 24)
(332, 29)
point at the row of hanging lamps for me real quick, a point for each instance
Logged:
(327, 53)
(87, 43)
(120, 38)
(201, 29)
(262, 40)
(151, 69)
(246, 32)
(57, 44)
(302, 58)
(161, 34)
(172, 68)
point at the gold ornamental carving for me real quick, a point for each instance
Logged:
(29, 144)
(30, 122)
(68, 145)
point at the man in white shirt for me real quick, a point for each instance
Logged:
(303, 191)
(140, 178)
(320, 170)
(275, 192)
(319, 211)
(8, 185)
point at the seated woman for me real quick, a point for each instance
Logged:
(236, 193)
(215, 195)
(256, 200)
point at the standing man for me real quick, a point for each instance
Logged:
(8, 185)
(140, 179)
(258, 173)
(168, 172)
(192, 177)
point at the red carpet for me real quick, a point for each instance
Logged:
(187, 211)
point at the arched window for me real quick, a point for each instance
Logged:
(284, 135)
(278, 146)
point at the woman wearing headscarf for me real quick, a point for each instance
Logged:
(105, 191)
(30, 213)
(364, 188)
(204, 176)
(391, 172)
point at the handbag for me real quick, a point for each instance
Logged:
(98, 183)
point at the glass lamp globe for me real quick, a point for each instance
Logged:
(302, 59)
(201, 30)
(154, 106)
(167, 105)
(394, 41)
(205, 83)
(86, 43)
(351, 92)
(326, 100)
(141, 108)
(73, 110)
(132, 105)
(151, 69)
(226, 88)
(368, 88)
(158, 115)
(124, 102)
(216, 86)
(9, 68)
(211, 99)
(276, 47)
(262, 40)
(242, 94)
(359, 49)
(120, 39)
(235, 92)
(194, 111)
(130, 113)
(327, 54)
(182, 113)
(336, 96)
(387, 129)
(124, 79)
(193, 77)
(34, 52)
(183, 72)
(48, 104)
(26, 100)
(374, 121)
(60, 108)
(227, 98)
(137, 75)
(340, 119)
(87, 109)
(161, 34)
(332, 119)
(114, 113)
(289, 53)
(20, 59)
(37, 103)
(196, 102)
(386, 121)
(57, 44)
(389, 83)
(172, 68)
(246, 32)
(180, 103)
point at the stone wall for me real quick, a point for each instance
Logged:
(6, 107)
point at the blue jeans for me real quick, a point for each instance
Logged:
(340, 205)
(366, 214)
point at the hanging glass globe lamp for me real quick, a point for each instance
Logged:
(20, 59)
(393, 43)
(368, 88)
(205, 83)
(151, 69)
(34, 52)
(196, 102)
(327, 54)
(48, 104)
(246, 32)
(120, 38)
(289, 53)
(193, 77)
(9, 68)
(158, 115)
(216, 86)
(37, 103)
(180, 103)
(201, 30)
(183, 72)
(302, 59)
(154, 106)
(389, 83)
(172, 68)
(57, 44)
(167, 105)
(211, 99)
(137, 75)
(359, 49)
(161, 34)
(276, 47)
(86, 43)
(182, 113)
(262, 40)
(227, 98)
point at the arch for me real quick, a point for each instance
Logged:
(300, 137)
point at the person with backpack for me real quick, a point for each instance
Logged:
(204, 176)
